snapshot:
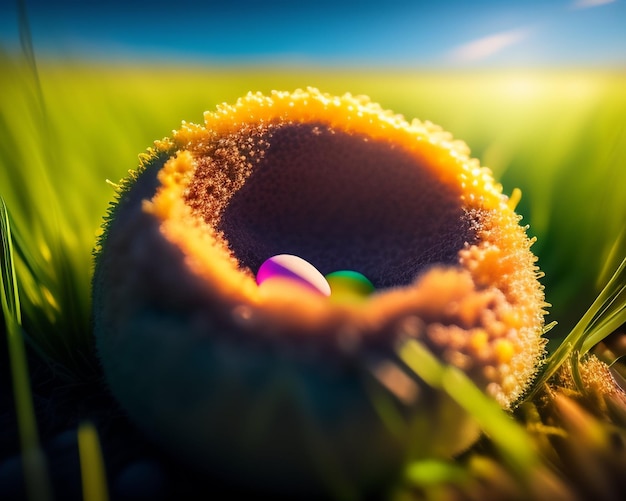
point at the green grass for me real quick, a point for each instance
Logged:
(68, 127)
(33, 462)
(94, 481)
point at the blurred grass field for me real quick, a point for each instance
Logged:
(68, 127)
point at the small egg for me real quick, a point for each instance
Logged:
(288, 266)
(348, 285)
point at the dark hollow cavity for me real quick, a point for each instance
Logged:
(338, 200)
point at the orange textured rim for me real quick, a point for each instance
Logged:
(510, 345)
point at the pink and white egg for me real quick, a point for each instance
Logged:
(340, 286)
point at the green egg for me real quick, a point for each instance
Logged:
(348, 285)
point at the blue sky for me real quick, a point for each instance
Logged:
(447, 33)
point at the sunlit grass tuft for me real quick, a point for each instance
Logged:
(605, 316)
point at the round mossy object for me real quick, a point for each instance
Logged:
(280, 389)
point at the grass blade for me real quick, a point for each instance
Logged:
(91, 463)
(509, 437)
(26, 42)
(35, 469)
(605, 315)
(10, 296)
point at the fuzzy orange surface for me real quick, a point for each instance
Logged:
(343, 184)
